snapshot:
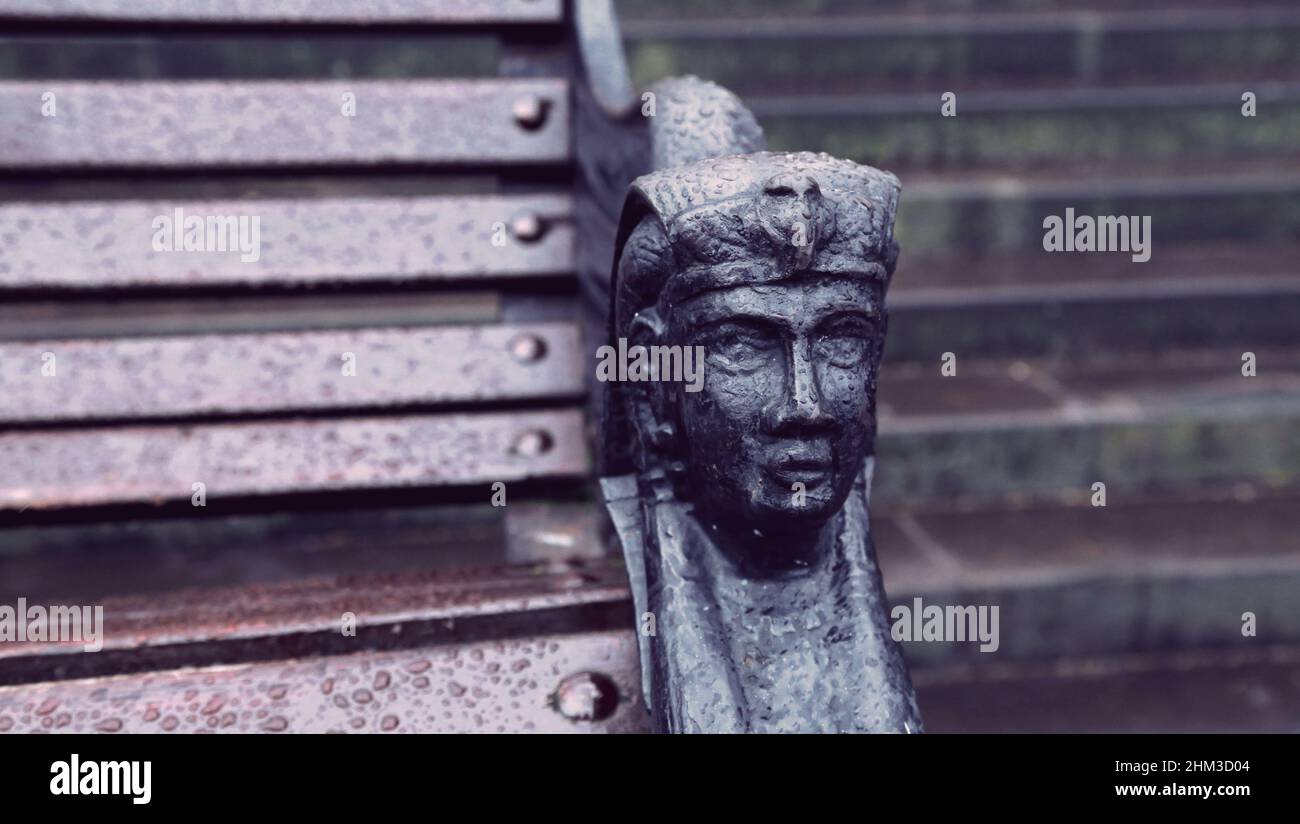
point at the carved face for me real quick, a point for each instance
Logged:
(779, 432)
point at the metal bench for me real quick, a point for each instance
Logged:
(239, 452)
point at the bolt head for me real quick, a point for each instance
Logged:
(532, 443)
(527, 348)
(530, 111)
(527, 228)
(586, 696)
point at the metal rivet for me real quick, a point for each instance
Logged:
(527, 228)
(586, 696)
(527, 348)
(530, 111)
(533, 443)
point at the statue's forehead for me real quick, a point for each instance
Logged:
(806, 298)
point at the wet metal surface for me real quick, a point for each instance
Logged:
(274, 123)
(494, 686)
(600, 44)
(288, 11)
(210, 374)
(239, 623)
(101, 466)
(308, 241)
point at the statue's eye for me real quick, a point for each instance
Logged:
(738, 347)
(846, 344)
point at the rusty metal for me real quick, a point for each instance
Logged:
(275, 123)
(225, 374)
(110, 244)
(288, 11)
(90, 466)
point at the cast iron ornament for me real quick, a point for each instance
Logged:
(742, 508)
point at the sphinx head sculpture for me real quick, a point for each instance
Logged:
(741, 501)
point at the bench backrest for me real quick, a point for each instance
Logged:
(131, 373)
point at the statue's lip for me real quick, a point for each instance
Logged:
(804, 470)
(813, 455)
(801, 463)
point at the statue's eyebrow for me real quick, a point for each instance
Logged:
(712, 319)
(871, 316)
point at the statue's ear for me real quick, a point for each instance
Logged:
(650, 404)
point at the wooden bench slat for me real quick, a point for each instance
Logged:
(108, 244)
(279, 123)
(288, 11)
(224, 374)
(82, 467)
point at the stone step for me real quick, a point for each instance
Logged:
(1188, 202)
(1031, 304)
(882, 49)
(1010, 139)
(1219, 260)
(1141, 574)
(1208, 691)
(1049, 428)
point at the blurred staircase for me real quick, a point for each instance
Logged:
(1072, 369)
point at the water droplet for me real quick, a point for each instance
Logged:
(276, 724)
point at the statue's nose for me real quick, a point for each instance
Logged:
(800, 403)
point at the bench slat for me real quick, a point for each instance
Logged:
(82, 467)
(513, 634)
(276, 123)
(261, 620)
(222, 374)
(144, 316)
(288, 11)
(109, 244)
(488, 686)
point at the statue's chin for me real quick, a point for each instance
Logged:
(772, 518)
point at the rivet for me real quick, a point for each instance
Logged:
(532, 443)
(586, 696)
(530, 111)
(527, 348)
(527, 227)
